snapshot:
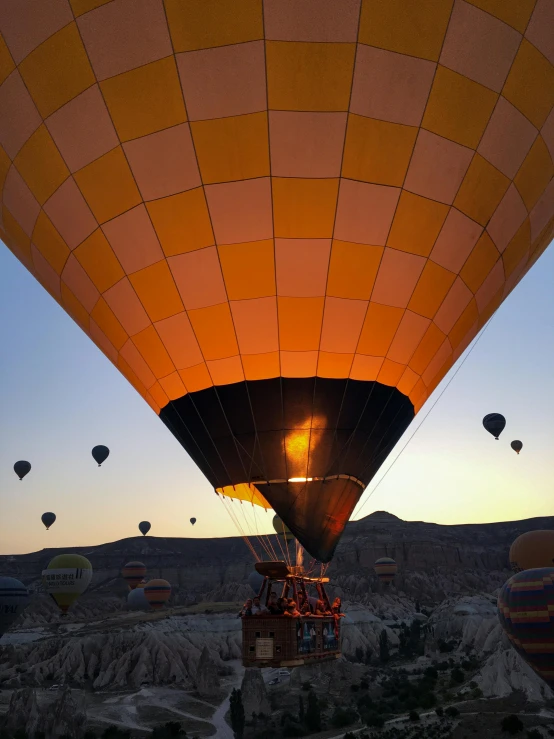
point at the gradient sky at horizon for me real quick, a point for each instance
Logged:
(60, 396)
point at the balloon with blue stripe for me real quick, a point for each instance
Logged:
(14, 598)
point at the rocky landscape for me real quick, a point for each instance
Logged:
(429, 642)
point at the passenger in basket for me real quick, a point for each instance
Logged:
(257, 608)
(320, 609)
(292, 610)
(337, 615)
(273, 606)
(304, 605)
(246, 609)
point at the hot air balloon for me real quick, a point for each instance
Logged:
(281, 528)
(283, 227)
(133, 573)
(532, 549)
(193, 521)
(526, 612)
(137, 601)
(255, 581)
(144, 527)
(100, 454)
(48, 519)
(494, 423)
(517, 446)
(157, 593)
(14, 598)
(22, 468)
(66, 578)
(385, 569)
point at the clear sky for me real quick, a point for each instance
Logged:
(60, 396)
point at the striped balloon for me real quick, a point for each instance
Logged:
(385, 569)
(157, 593)
(133, 573)
(14, 598)
(526, 612)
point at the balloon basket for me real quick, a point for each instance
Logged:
(286, 641)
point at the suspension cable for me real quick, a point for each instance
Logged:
(475, 342)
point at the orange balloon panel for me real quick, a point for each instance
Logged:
(223, 193)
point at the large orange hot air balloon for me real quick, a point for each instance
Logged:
(283, 222)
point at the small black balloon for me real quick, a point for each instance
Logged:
(100, 453)
(494, 424)
(193, 521)
(48, 519)
(22, 468)
(517, 446)
(144, 527)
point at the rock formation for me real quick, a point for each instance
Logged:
(207, 680)
(64, 717)
(22, 712)
(254, 694)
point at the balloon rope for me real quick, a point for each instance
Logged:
(261, 537)
(285, 551)
(273, 553)
(475, 342)
(248, 527)
(239, 528)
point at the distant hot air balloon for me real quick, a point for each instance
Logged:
(517, 446)
(277, 239)
(133, 573)
(66, 578)
(255, 581)
(137, 600)
(385, 569)
(48, 519)
(532, 549)
(526, 612)
(14, 598)
(281, 528)
(494, 423)
(100, 454)
(144, 527)
(193, 521)
(157, 593)
(22, 468)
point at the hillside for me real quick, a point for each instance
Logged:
(137, 670)
(434, 560)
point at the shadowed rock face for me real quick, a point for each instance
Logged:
(207, 679)
(23, 711)
(254, 693)
(434, 561)
(65, 716)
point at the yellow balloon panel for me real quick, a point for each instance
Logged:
(218, 191)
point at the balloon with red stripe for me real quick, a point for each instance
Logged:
(385, 569)
(526, 613)
(133, 573)
(157, 593)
